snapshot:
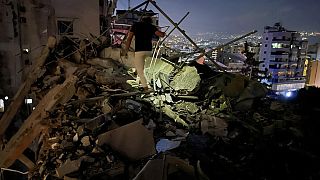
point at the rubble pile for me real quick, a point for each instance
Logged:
(194, 125)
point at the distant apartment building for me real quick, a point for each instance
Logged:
(313, 71)
(234, 56)
(26, 25)
(283, 54)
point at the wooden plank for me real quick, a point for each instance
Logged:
(27, 162)
(25, 87)
(36, 122)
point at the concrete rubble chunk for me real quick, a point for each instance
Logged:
(86, 141)
(188, 106)
(214, 126)
(158, 69)
(187, 74)
(69, 178)
(132, 140)
(106, 107)
(68, 167)
(167, 110)
(97, 121)
(160, 169)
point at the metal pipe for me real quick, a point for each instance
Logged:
(174, 27)
(174, 24)
(183, 33)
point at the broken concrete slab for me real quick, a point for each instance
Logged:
(188, 106)
(214, 126)
(167, 110)
(158, 69)
(132, 140)
(186, 74)
(68, 167)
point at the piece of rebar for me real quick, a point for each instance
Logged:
(174, 27)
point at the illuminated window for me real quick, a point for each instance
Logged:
(277, 45)
(1, 105)
(28, 101)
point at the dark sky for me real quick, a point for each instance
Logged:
(239, 16)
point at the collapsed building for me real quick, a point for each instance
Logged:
(89, 121)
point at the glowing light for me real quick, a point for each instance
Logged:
(25, 50)
(6, 98)
(1, 105)
(288, 94)
(28, 101)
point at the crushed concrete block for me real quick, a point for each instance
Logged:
(214, 126)
(86, 141)
(87, 159)
(69, 178)
(106, 107)
(167, 110)
(187, 74)
(97, 121)
(188, 106)
(68, 167)
(158, 69)
(132, 140)
(75, 138)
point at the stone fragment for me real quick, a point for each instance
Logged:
(188, 106)
(75, 138)
(68, 167)
(187, 79)
(132, 140)
(85, 141)
(214, 126)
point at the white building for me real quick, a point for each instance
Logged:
(283, 54)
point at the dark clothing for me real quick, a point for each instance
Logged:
(143, 35)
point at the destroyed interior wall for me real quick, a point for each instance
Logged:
(83, 16)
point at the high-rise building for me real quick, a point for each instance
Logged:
(283, 54)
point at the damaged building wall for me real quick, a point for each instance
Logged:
(81, 16)
(10, 64)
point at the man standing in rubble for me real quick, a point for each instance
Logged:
(143, 32)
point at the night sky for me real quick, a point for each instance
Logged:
(239, 16)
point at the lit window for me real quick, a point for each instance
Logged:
(277, 45)
(1, 105)
(25, 51)
(28, 101)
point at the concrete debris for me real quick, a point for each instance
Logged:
(85, 141)
(95, 125)
(132, 140)
(189, 75)
(68, 167)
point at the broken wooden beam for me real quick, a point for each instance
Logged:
(25, 87)
(35, 124)
(27, 162)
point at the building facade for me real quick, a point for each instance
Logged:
(313, 71)
(283, 54)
